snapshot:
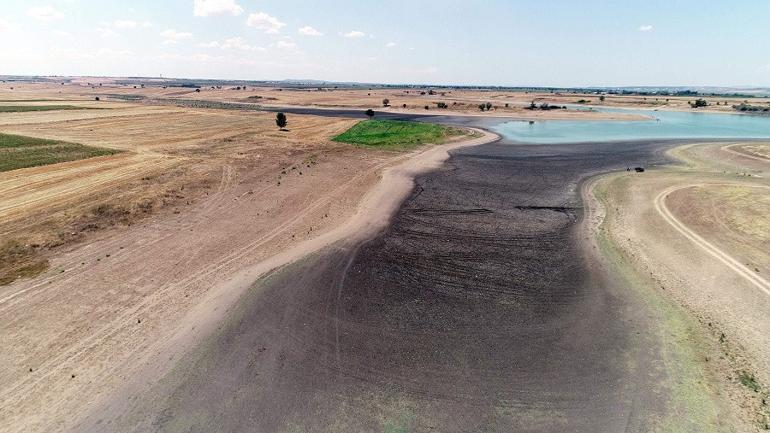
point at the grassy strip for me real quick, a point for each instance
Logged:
(17, 151)
(26, 108)
(689, 391)
(396, 134)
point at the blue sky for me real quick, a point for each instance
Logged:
(544, 43)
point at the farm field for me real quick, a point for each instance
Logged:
(21, 152)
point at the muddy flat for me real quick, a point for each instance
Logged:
(475, 310)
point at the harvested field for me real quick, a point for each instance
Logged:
(127, 244)
(26, 108)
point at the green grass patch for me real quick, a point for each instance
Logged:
(17, 151)
(749, 381)
(396, 134)
(32, 100)
(26, 108)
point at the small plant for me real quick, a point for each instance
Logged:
(749, 381)
(489, 106)
(369, 113)
(602, 98)
(386, 102)
(281, 121)
(482, 107)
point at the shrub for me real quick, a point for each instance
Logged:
(386, 102)
(369, 113)
(700, 102)
(281, 121)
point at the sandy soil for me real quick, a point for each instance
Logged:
(698, 231)
(113, 296)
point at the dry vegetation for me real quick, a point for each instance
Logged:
(721, 195)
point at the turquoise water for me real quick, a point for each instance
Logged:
(666, 125)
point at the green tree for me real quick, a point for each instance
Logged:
(281, 121)
(369, 113)
(385, 102)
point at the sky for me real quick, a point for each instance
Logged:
(514, 43)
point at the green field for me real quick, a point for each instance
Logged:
(25, 108)
(396, 134)
(17, 151)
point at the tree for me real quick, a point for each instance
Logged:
(602, 98)
(699, 103)
(369, 113)
(385, 102)
(482, 107)
(280, 120)
(489, 106)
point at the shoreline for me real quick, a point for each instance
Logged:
(696, 344)
(372, 214)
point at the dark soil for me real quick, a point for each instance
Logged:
(476, 310)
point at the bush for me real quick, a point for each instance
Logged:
(386, 102)
(699, 103)
(369, 113)
(281, 121)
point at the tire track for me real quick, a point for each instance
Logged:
(736, 266)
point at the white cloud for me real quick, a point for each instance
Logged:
(125, 24)
(390, 44)
(286, 45)
(5, 25)
(174, 35)
(106, 32)
(309, 31)
(236, 43)
(105, 53)
(205, 8)
(45, 13)
(263, 21)
(61, 33)
(645, 28)
(354, 34)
